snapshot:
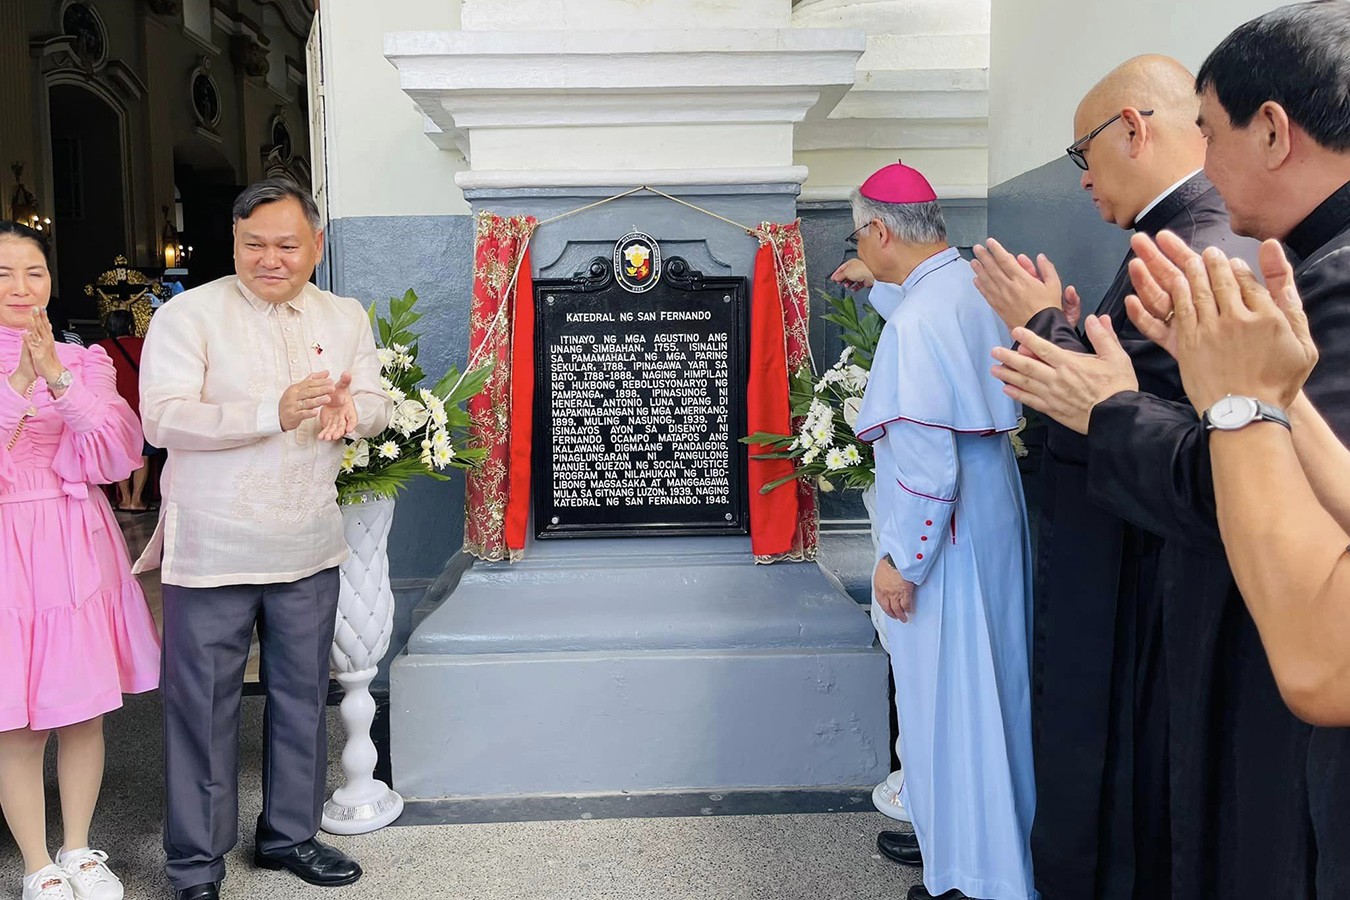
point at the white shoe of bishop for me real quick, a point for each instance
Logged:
(90, 877)
(47, 883)
(886, 797)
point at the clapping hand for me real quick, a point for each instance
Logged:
(1017, 288)
(40, 342)
(37, 355)
(304, 399)
(1228, 333)
(1064, 384)
(338, 417)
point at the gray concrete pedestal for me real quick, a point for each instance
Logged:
(603, 666)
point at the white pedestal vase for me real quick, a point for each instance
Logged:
(365, 623)
(885, 796)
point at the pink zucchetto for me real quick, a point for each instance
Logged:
(898, 183)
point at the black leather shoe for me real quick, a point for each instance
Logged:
(209, 891)
(919, 892)
(900, 846)
(314, 862)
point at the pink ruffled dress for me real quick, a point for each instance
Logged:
(75, 632)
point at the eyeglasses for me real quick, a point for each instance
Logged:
(1077, 151)
(852, 239)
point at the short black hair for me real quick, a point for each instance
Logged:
(273, 190)
(120, 323)
(15, 231)
(1299, 57)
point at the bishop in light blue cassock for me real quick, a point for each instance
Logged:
(951, 521)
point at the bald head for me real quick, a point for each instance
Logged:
(1159, 83)
(1134, 160)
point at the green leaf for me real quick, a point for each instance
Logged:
(470, 386)
(768, 440)
(786, 479)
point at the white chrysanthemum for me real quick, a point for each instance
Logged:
(389, 450)
(386, 356)
(440, 439)
(822, 434)
(356, 456)
(846, 355)
(386, 384)
(399, 348)
(852, 406)
(442, 456)
(436, 408)
(851, 456)
(404, 361)
(810, 456)
(834, 460)
(397, 394)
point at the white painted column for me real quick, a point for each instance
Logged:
(921, 94)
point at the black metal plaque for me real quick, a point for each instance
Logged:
(640, 404)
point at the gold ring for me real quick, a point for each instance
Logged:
(1168, 320)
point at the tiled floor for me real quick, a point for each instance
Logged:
(788, 857)
(708, 857)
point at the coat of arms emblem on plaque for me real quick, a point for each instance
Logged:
(637, 262)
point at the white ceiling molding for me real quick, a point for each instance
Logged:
(653, 96)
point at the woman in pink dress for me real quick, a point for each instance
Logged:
(75, 632)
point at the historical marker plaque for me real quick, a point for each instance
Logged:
(640, 401)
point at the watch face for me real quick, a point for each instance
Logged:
(1232, 413)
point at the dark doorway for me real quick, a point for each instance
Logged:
(208, 187)
(89, 195)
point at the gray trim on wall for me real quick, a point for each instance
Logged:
(373, 259)
(1046, 211)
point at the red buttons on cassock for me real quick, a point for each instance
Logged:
(929, 522)
(918, 556)
(924, 538)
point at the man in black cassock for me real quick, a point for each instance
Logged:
(1261, 801)
(1099, 704)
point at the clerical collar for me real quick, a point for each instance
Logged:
(1322, 224)
(1171, 202)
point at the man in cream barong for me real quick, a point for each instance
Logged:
(953, 573)
(251, 382)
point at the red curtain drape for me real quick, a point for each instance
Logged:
(497, 492)
(784, 523)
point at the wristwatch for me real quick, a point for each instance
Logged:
(1232, 413)
(62, 381)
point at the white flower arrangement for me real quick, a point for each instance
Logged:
(429, 429)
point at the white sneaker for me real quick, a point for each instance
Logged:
(48, 883)
(90, 877)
